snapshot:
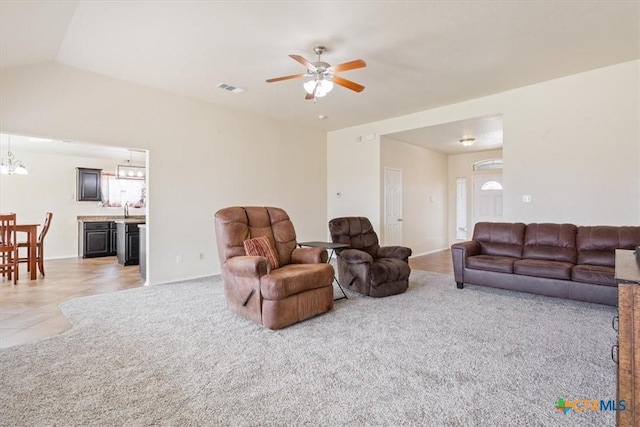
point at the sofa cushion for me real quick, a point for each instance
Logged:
(552, 242)
(501, 264)
(543, 268)
(598, 274)
(500, 239)
(597, 244)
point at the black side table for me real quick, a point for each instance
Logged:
(333, 247)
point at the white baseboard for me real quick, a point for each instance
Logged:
(428, 253)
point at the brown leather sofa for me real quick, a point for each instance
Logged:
(300, 288)
(559, 260)
(366, 267)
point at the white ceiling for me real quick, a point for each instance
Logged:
(420, 54)
(21, 143)
(445, 138)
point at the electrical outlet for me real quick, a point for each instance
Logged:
(178, 258)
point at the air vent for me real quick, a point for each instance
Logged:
(230, 88)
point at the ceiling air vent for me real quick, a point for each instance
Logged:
(230, 88)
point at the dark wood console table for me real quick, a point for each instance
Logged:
(627, 276)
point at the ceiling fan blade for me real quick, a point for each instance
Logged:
(277, 79)
(304, 62)
(309, 96)
(352, 65)
(348, 84)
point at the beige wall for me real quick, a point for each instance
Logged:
(571, 143)
(201, 157)
(461, 166)
(353, 176)
(424, 194)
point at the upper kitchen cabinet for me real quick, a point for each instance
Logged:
(89, 185)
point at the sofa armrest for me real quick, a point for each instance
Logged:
(460, 252)
(398, 252)
(355, 256)
(309, 256)
(469, 248)
(248, 266)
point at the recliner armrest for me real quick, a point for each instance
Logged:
(247, 266)
(397, 252)
(309, 256)
(355, 256)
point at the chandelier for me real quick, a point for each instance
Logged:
(10, 166)
(128, 171)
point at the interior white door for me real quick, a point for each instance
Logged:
(487, 198)
(392, 207)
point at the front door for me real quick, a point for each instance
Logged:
(392, 207)
(487, 198)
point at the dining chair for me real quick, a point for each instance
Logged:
(39, 245)
(8, 247)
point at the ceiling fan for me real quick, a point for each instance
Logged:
(324, 75)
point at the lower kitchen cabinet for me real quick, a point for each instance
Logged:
(128, 243)
(97, 239)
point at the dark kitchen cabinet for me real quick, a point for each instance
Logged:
(128, 243)
(89, 185)
(97, 239)
(113, 241)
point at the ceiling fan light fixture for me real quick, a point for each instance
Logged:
(467, 141)
(321, 87)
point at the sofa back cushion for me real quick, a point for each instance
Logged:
(500, 238)
(597, 244)
(552, 242)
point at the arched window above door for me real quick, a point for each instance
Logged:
(487, 164)
(491, 185)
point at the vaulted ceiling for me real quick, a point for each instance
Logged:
(419, 54)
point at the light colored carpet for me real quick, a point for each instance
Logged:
(433, 356)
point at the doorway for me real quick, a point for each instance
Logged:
(392, 207)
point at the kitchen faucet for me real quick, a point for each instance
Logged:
(126, 210)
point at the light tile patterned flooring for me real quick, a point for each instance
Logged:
(29, 310)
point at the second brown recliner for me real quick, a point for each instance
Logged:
(366, 267)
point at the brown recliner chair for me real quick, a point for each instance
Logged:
(300, 288)
(366, 267)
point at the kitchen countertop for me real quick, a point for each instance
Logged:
(130, 221)
(100, 218)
